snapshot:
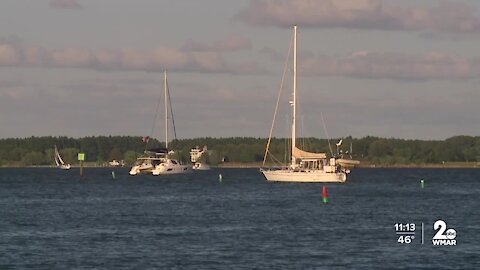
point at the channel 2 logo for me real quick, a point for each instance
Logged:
(444, 236)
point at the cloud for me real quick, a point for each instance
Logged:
(385, 65)
(230, 43)
(8, 55)
(65, 4)
(274, 55)
(397, 66)
(15, 54)
(360, 64)
(361, 14)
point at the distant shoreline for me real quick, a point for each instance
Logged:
(239, 165)
(369, 165)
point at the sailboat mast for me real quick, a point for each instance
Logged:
(166, 108)
(294, 102)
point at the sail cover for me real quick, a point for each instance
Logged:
(298, 153)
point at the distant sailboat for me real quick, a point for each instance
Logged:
(59, 161)
(158, 161)
(307, 166)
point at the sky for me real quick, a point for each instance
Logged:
(404, 69)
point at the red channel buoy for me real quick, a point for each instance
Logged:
(325, 194)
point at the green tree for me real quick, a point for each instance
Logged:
(33, 158)
(115, 154)
(130, 157)
(70, 155)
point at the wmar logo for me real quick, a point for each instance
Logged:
(444, 236)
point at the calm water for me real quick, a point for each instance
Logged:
(52, 219)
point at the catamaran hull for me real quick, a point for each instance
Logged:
(139, 169)
(304, 177)
(165, 170)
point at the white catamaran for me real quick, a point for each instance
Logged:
(159, 161)
(306, 166)
(59, 161)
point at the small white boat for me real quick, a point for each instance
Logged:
(59, 161)
(195, 157)
(115, 163)
(306, 166)
(199, 166)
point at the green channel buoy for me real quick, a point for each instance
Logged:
(113, 174)
(422, 183)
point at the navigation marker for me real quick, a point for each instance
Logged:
(324, 195)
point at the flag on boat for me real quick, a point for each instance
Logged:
(145, 139)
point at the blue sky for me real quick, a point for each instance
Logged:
(404, 69)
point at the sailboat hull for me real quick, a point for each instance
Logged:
(316, 176)
(65, 167)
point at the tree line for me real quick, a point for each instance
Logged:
(100, 149)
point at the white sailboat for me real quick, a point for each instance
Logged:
(307, 166)
(159, 161)
(59, 161)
